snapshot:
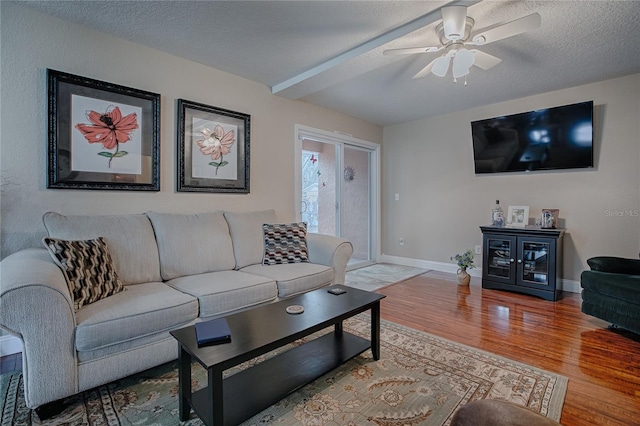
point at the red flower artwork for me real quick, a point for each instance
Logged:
(110, 129)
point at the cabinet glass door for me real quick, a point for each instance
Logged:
(533, 265)
(500, 258)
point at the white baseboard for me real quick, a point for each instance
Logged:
(10, 345)
(571, 286)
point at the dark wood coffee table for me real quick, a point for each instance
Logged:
(260, 330)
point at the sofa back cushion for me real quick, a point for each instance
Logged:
(191, 244)
(247, 236)
(130, 238)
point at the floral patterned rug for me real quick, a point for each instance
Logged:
(419, 380)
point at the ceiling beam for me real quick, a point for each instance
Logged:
(402, 30)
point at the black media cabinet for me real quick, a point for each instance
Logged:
(524, 260)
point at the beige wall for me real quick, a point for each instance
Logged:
(442, 202)
(32, 42)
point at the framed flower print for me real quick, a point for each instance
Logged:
(102, 135)
(213, 149)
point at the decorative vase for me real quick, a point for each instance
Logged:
(463, 277)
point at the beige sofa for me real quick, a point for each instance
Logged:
(178, 269)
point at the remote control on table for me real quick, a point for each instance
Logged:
(337, 291)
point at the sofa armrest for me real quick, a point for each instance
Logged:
(616, 265)
(35, 305)
(619, 286)
(330, 251)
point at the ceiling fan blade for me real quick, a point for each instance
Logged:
(462, 62)
(519, 26)
(411, 50)
(484, 60)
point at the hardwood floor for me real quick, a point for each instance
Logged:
(603, 366)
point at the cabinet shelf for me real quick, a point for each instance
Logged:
(524, 260)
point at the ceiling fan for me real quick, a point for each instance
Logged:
(455, 34)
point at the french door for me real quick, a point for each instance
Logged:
(337, 189)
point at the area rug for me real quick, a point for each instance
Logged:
(380, 275)
(419, 380)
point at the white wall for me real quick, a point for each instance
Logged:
(32, 42)
(442, 202)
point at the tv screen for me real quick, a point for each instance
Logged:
(546, 139)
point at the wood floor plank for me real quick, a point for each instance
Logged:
(603, 366)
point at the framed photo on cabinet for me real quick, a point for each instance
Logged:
(518, 216)
(549, 219)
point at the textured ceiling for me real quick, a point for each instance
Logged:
(329, 53)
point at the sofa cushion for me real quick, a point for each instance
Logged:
(191, 244)
(87, 267)
(142, 310)
(226, 291)
(285, 243)
(246, 233)
(294, 278)
(130, 238)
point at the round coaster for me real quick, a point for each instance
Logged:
(295, 309)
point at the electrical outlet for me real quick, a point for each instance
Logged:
(401, 241)
(478, 249)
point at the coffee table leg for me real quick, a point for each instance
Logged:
(184, 383)
(375, 330)
(216, 413)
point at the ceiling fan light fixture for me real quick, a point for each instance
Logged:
(441, 66)
(463, 60)
(454, 18)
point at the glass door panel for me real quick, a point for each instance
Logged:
(500, 258)
(310, 179)
(356, 204)
(319, 201)
(535, 262)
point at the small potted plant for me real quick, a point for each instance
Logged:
(464, 261)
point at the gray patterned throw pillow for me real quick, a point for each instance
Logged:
(87, 267)
(285, 243)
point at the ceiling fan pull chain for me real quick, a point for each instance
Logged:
(465, 80)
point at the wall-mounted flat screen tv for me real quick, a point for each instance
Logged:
(545, 139)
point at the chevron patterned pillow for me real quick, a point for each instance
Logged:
(87, 267)
(285, 243)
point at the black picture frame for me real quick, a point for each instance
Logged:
(213, 149)
(89, 122)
